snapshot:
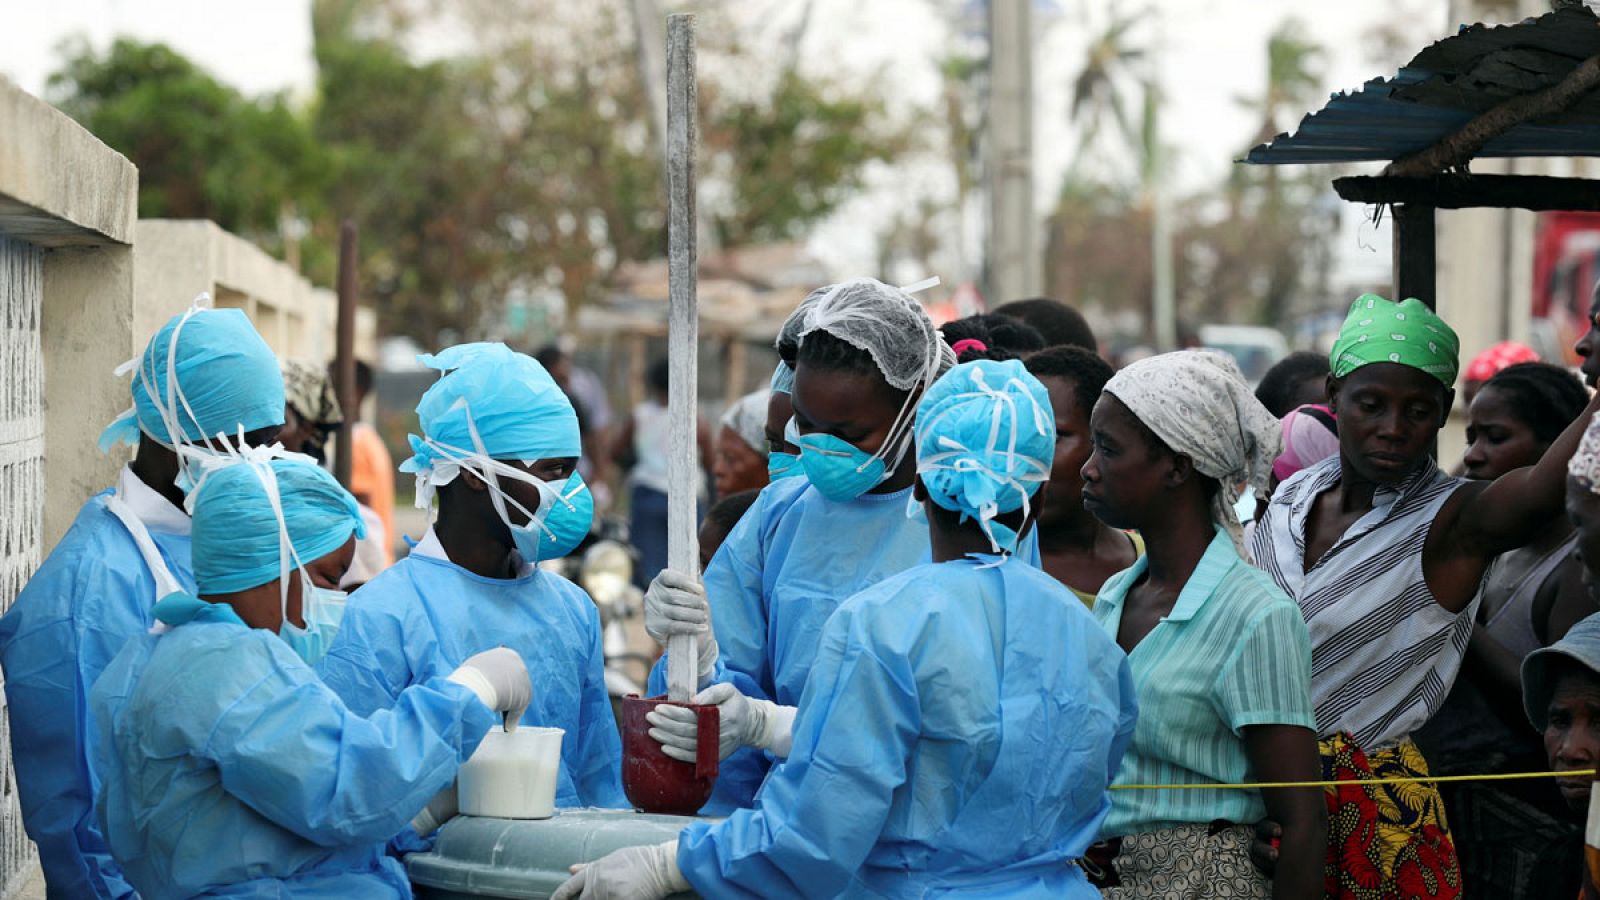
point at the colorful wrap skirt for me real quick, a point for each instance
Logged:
(1385, 841)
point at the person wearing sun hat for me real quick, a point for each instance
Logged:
(1384, 554)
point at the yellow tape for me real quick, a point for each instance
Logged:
(1508, 776)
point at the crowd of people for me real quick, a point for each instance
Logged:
(980, 616)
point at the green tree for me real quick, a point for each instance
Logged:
(520, 165)
(1105, 92)
(1279, 201)
(794, 156)
(203, 150)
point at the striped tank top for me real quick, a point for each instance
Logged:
(1384, 653)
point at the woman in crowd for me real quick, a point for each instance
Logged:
(228, 768)
(1219, 655)
(962, 719)
(1075, 547)
(991, 336)
(740, 461)
(1530, 597)
(1384, 554)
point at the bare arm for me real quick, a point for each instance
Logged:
(1289, 753)
(1482, 521)
(1512, 509)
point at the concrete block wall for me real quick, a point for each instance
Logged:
(67, 209)
(177, 259)
(83, 286)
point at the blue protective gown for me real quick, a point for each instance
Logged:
(230, 770)
(90, 595)
(957, 735)
(786, 566)
(422, 617)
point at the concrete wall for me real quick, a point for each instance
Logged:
(83, 286)
(67, 193)
(67, 208)
(177, 259)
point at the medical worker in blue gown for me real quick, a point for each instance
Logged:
(863, 351)
(229, 769)
(500, 448)
(203, 377)
(963, 718)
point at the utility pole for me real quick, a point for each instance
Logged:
(1163, 302)
(651, 44)
(1013, 258)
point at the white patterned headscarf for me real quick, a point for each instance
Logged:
(1584, 467)
(747, 418)
(1199, 405)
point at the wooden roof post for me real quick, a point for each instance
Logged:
(1415, 254)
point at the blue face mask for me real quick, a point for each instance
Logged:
(568, 513)
(323, 610)
(783, 465)
(915, 511)
(839, 470)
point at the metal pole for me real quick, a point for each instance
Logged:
(1014, 264)
(683, 335)
(344, 380)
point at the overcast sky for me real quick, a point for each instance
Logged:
(1213, 54)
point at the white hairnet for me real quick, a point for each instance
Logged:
(1199, 405)
(747, 417)
(884, 321)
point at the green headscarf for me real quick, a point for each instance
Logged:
(1408, 333)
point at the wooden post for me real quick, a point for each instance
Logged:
(683, 336)
(736, 352)
(344, 380)
(635, 370)
(1414, 254)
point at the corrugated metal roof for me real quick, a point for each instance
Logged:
(1449, 83)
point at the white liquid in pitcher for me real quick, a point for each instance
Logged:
(512, 776)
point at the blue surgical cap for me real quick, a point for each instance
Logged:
(236, 530)
(517, 408)
(227, 379)
(985, 439)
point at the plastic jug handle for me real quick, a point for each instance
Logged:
(708, 752)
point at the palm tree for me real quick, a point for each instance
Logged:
(1294, 77)
(1103, 91)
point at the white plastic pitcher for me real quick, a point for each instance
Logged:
(512, 776)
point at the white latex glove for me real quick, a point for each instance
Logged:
(632, 873)
(441, 809)
(676, 604)
(741, 722)
(500, 679)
